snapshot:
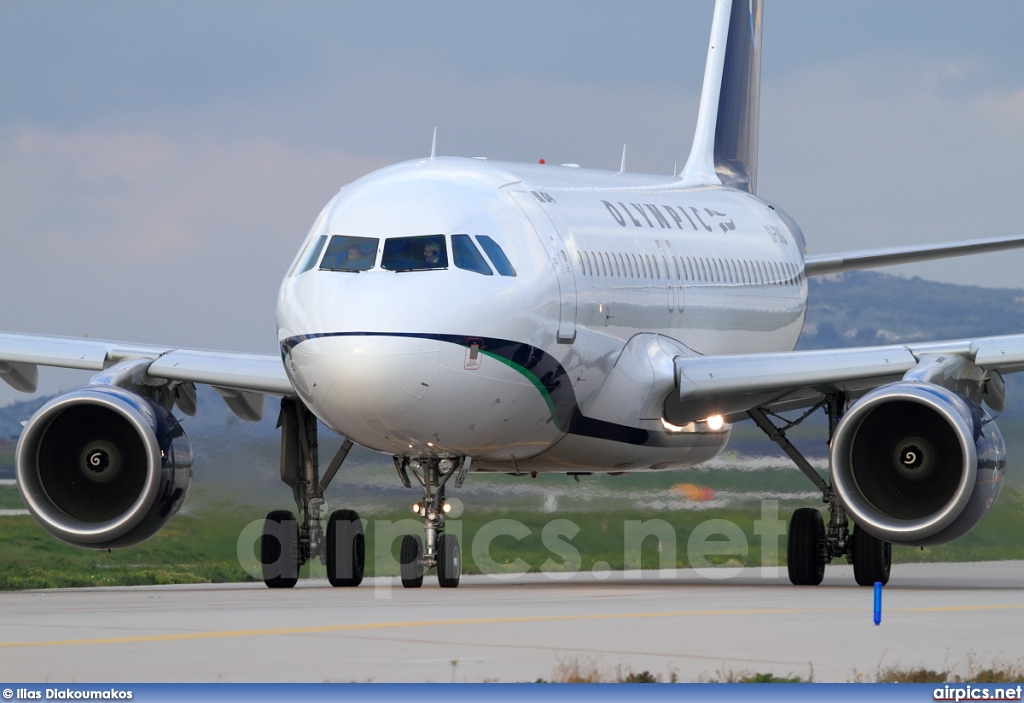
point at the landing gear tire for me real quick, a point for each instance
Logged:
(279, 550)
(872, 558)
(449, 561)
(805, 551)
(346, 549)
(411, 563)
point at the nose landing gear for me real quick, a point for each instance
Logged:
(437, 549)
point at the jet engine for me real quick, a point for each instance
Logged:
(102, 467)
(917, 464)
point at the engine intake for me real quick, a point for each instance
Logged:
(916, 464)
(102, 467)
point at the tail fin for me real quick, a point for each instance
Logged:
(725, 143)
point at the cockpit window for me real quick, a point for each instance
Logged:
(312, 255)
(498, 257)
(467, 256)
(415, 253)
(350, 254)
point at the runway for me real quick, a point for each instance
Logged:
(940, 616)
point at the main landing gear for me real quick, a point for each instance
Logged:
(438, 549)
(286, 544)
(811, 543)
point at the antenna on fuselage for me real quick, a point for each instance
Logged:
(622, 166)
(433, 145)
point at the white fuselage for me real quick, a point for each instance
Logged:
(561, 366)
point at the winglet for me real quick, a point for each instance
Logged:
(433, 145)
(725, 143)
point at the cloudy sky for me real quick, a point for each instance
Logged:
(160, 162)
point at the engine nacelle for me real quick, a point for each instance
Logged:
(916, 464)
(102, 467)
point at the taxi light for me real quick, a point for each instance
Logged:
(715, 422)
(447, 508)
(416, 508)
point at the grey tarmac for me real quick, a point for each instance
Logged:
(940, 616)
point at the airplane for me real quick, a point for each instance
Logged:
(464, 315)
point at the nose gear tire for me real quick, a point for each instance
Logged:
(449, 561)
(411, 563)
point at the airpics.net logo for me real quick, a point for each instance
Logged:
(978, 693)
(715, 549)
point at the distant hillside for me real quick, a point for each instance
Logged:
(862, 308)
(11, 416)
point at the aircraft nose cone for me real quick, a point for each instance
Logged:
(372, 375)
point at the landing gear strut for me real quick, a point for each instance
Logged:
(286, 545)
(437, 549)
(812, 544)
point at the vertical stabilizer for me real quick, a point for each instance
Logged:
(725, 143)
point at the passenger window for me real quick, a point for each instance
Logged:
(312, 255)
(350, 254)
(415, 253)
(497, 255)
(466, 256)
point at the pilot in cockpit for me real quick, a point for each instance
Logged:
(432, 254)
(356, 259)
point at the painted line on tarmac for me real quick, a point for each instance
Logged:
(388, 626)
(222, 634)
(8, 513)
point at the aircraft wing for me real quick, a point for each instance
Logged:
(240, 378)
(732, 385)
(870, 258)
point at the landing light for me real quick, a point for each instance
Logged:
(715, 422)
(447, 508)
(416, 508)
(674, 428)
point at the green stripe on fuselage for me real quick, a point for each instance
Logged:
(541, 388)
